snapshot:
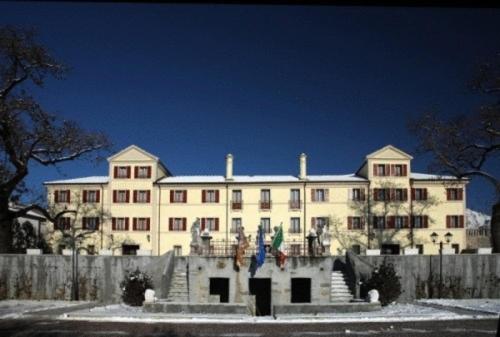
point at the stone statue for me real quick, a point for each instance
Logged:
(195, 237)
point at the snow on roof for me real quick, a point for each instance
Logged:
(424, 176)
(84, 180)
(257, 179)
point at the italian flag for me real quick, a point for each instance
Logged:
(278, 245)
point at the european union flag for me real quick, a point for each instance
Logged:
(261, 253)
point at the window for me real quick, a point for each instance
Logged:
(456, 247)
(319, 194)
(355, 222)
(398, 194)
(295, 249)
(294, 198)
(122, 172)
(420, 248)
(141, 224)
(119, 224)
(378, 222)
(419, 193)
(420, 221)
(91, 196)
(178, 196)
(211, 224)
(62, 196)
(177, 224)
(381, 194)
(454, 194)
(266, 224)
(121, 196)
(399, 222)
(90, 223)
(142, 196)
(236, 202)
(210, 196)
(295, 225)
(398, 170)
(454, 221)
(265, 199)
(91, 249)
(356, 249)
(357, 194)
(63, 223)
(130, 249)
(235, 224)
(142, 172)
(178, 250)
(381, 170)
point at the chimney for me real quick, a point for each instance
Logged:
(229, 167)
(303, 166)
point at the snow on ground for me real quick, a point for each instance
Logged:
(484, 304)
(391, 313)
(16, 308)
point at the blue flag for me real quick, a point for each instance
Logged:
(261, 253)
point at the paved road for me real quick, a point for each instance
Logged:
(45, 327)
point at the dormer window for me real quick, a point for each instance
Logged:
(122, 172)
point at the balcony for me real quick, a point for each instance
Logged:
(294, 204)
(265, 205)
(236, 205)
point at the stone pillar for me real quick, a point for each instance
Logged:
(205, 243)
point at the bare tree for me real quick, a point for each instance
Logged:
(28, 133)
(464, 145)
(78, 225)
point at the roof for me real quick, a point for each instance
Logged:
(84, 180)
(257, 179)
(425, 176)
(389, 147)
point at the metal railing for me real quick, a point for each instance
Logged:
(292, 248)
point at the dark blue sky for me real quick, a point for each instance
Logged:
(191, 83)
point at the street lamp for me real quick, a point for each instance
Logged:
(434, 238)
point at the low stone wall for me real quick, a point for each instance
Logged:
(463, 276)
(49, 276)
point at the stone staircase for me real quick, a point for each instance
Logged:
(339, 291)
(178, 291)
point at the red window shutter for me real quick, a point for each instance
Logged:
(216, 224)
(375, 173)
(461, 219)
(135, 196)
(349, 222)
(412, 194)
(171, 196)
(375, 194)
(406, 221)
(448, 194)
(426, 221)
(405, 170)
(114, 195)
(460, 194)
(97, 223)
(128, 171)
(184, 196)
(148, 196)
(148, 224)
(448, 221)
(149, 171)
(126, 224)
(184, 224)
(216, 195)
(405, 194)
(84, 196)
(387, 168)
(56, 196)
(113, 223)
(202, 224)
(170, 224)
(69, 195)
(203, 196)
(98, 196)
(134, 224)
(425, 194)
(392, 193)
(392, 170)
(127, 196)
(362, 196)
(136, 171)
(362, 220)
(115, 172)
(84, 223)
(390, 221)
(313, 194)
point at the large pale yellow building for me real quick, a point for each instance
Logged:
(140, 207)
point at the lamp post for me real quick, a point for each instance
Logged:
(434, 238)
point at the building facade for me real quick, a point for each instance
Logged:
(140, 207)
